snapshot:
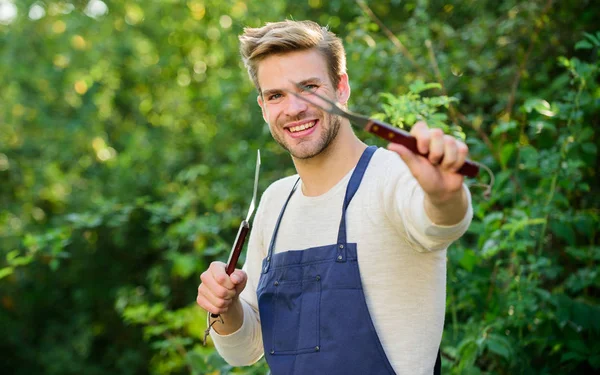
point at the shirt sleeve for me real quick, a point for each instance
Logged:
(244, 346)
(404, 204)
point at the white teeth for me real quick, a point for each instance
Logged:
(302, 127)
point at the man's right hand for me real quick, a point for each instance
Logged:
(218, 291)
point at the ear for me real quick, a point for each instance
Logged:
(262, 107)
(343, 89)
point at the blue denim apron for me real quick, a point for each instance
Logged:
(313, 312)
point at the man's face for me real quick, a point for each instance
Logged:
(302, 129)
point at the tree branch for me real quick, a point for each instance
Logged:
(523, 65)
(438, 75)
(390, 35)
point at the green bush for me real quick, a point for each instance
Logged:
(127, 143)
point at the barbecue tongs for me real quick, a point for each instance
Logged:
(238, 245)
(379, 128)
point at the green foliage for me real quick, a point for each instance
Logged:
(127, 143)
(405, 110)
(535, 299)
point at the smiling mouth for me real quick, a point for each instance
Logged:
(299, 128)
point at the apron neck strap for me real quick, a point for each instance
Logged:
(272, 244)
(353, 185)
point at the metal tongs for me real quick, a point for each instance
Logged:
(238, 245)
(379, 128)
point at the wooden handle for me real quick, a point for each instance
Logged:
(395, 135)
(240, 239)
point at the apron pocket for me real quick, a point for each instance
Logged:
(296, 310)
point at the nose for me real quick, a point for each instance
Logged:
(295, 106)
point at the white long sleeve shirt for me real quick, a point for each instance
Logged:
(401, 256)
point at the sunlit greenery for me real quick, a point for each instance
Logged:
(128, 135)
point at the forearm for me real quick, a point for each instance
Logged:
(231, 321)
(448, 211)
(242, 346)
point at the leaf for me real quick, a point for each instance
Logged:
(572, 356)
(214, 250)
(564, 231)
(54, 264)
(578, 346)
(156, 330)
(136, 314)
(529, 157)
(583, 278)
(586, 134)
(12, 255)
(504, 127)
(537, 127)
(21, 261)
(584, 316)
(539, 105)
(468, 260)
(419, 86)
(196, 361)
(589, 148)
(184, 265)
(594, 38)
(507, 151)
(499, 345)
(161, 345)
(516, 225)
(6, 271)
(494, 217)
(583, 44)
(490, 248)
(468, 351)
(584, 253)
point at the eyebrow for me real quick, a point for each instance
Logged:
(310, 80)
(304, 82)
(268, 93)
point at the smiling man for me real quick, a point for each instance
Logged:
(346, 265)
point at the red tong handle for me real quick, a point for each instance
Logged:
(395, 135)
(240, 239)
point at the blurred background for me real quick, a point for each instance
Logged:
(128, 137)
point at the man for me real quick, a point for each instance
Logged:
(346, 264)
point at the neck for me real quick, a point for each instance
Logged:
(324, 171)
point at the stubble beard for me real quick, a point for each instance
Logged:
(303, 152)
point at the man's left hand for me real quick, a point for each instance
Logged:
(437, 174)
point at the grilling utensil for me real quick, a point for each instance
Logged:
(238, 245)
(379, 128)
(240, 239)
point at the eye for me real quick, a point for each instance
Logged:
(310, 87)
(274, 97)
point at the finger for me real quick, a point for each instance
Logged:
(218, 271)
(462, 153)
(420, 131)
(203, 302)
(450, 153)
(436, 146)
(412, 161)
(239, 278)
(213, 288)
(216, 299)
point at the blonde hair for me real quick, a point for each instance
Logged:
(288, 36)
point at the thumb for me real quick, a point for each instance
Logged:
(411, 160)
(239, 278)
